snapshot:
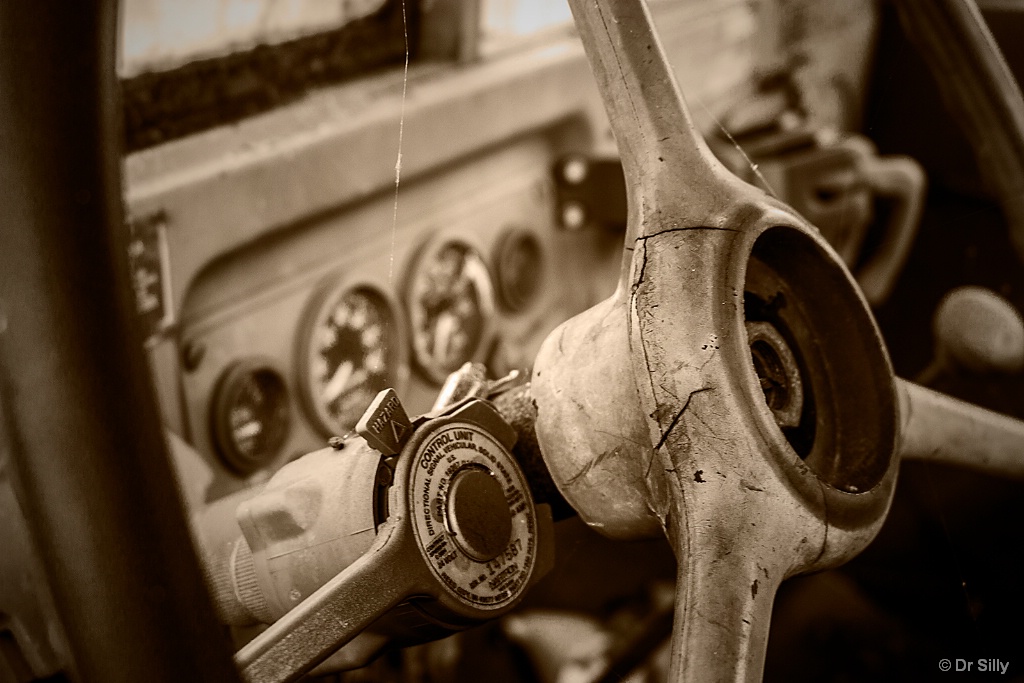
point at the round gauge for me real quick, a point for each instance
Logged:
(350, 349)
(250, 415)
(451, 304)
(518, 267)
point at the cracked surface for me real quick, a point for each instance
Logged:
(739, 508)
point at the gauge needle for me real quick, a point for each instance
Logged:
(444, 330)
(248, 430)
(475, 274)
(339, 380)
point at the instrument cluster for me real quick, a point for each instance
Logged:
(297, 336)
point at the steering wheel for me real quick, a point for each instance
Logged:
(749, 408)
(734, 393)
(81, 428)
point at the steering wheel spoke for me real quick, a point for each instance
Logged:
(724, 596)
(675, 180)
(737, 531)
(939, 428)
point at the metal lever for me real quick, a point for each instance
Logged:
(332, 616)
(458, 540)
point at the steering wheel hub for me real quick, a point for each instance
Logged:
(778, 373)
(846, 428)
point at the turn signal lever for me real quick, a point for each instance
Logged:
(408, 532)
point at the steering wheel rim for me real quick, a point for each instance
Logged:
(81, 420)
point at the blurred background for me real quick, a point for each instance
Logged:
(329, 197)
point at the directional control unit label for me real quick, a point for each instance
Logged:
(472, 517)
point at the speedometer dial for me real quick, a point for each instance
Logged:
(451, 305)
(350, 349)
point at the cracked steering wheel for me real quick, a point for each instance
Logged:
(734, 393)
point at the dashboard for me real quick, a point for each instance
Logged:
(356, 303)
(386, 230)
